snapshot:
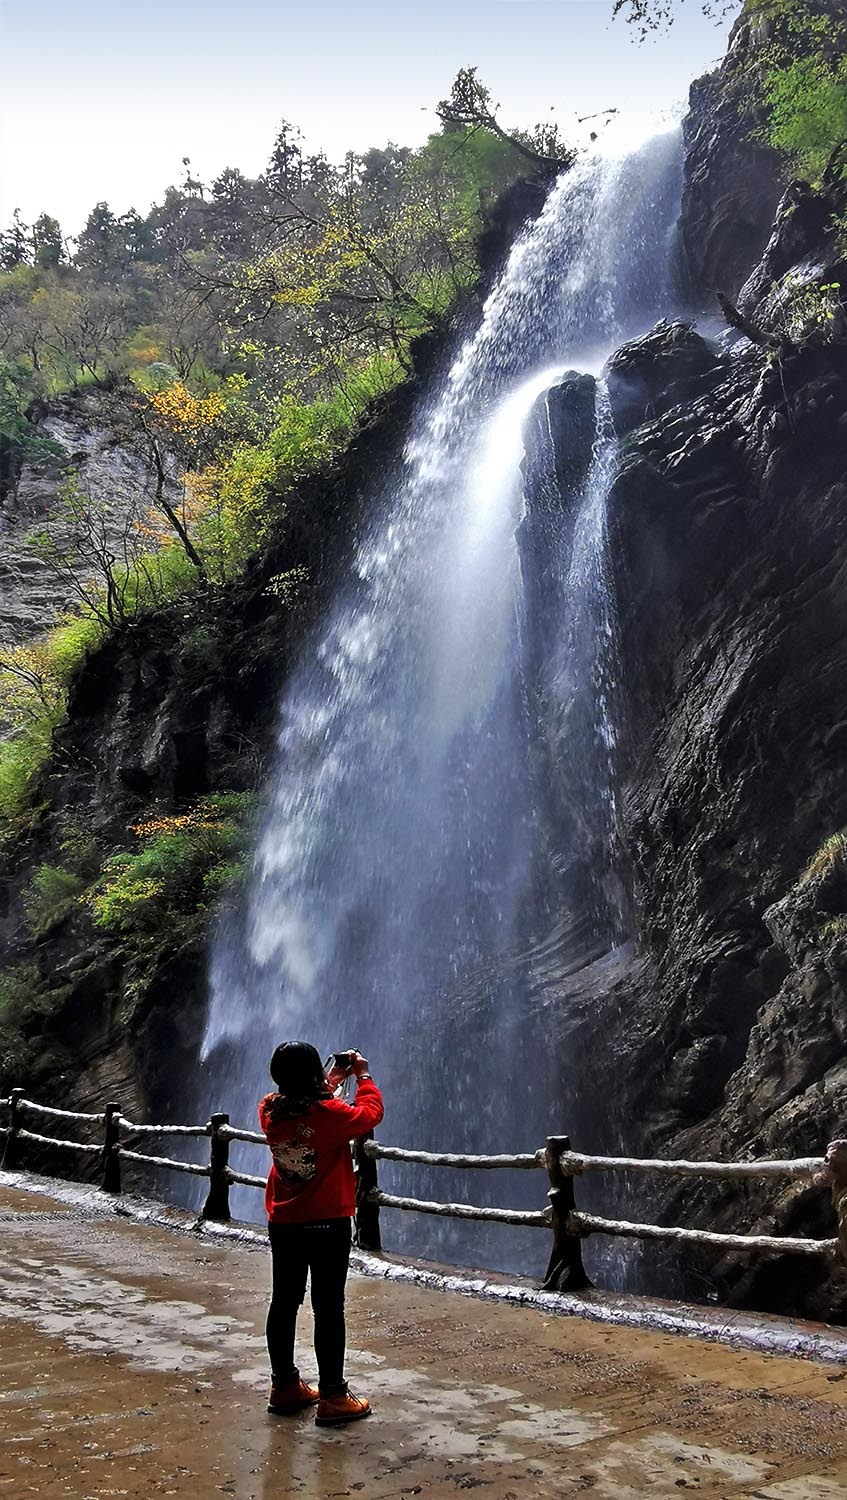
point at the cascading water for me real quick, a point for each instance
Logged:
(409, 895)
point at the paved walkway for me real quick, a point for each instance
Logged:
(133, 1365)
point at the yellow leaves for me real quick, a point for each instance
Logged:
(160, 825)
(181, 412)
(29, 682)
(200, 819)
(146, 354)
(287, 587)
(298, 296)
(249, 349)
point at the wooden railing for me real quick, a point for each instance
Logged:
(569, 1226)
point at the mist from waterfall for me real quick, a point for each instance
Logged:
(409, 895)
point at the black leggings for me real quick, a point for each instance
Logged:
(324, 1250)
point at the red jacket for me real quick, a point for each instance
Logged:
(312, 1173)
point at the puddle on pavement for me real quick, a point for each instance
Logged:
(96, 1313)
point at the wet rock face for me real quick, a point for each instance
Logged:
(559, 437)
(725, 1037)
(666, 367)
(522, 201)
(732, 183)
(723, 1034)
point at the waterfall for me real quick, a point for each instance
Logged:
(415, 893)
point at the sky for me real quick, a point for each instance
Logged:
(101, 99)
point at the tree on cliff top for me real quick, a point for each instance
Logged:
(469, 105)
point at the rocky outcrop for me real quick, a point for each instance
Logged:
(85, 439)
(795, 291)
(732, 182)
(728, 1020)
(669, 366)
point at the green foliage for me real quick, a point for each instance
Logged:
(256, 325)
(310, 265)
(70, 643)
(33, 683)
(470, 107)
(22, 438)
(22, 760)
(170, 885)
(802, 81)
(50, 895)
(78, 845)
(834, 930)
(811, 311)
(807, 111)
(240, 493)
(799, 73)
(287, 587)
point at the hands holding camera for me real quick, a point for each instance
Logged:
(344, 1064)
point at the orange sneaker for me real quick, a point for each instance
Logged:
(344, 1407)
(291, 1396)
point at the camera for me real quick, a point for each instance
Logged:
(343, 1059)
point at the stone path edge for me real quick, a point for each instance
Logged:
(734, 1328)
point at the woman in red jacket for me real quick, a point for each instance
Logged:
(310, 1200)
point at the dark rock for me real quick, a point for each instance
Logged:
(803, 254)
(732, 183)
(652, 374)
(560, 439)
(800, 230)
(568, 409)
(697, 1075)
(522, 201)
(730, 533)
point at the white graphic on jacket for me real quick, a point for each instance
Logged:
(295, 1159)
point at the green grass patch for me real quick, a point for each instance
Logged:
(184, 863)
(22, 760)
(34, 710)
(51, 895)
(832, 855)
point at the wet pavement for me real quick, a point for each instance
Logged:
(134, 1365)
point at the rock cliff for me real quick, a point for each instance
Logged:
(86, 430)
(729, 1022)
(732, 182)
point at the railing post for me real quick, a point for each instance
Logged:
(12, 1149)
(111, 1141)
(836, 1163)
(565, 1272)
(367, 1213)
(217, 1199)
